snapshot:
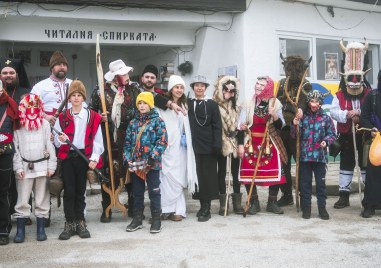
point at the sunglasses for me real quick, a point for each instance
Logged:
(229, 90)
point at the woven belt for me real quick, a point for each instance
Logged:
(257, 134)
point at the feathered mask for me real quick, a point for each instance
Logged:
(31, 112)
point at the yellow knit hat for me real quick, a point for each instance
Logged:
(147, 97)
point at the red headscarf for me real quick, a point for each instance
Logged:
(268, 91)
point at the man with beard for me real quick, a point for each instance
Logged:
(53, 90)
(148, 82)
(15, 88)
(346, 110)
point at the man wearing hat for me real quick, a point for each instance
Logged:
(206, 128)
(53, 90)
(120, 96)
(16, 84)
(148, 82)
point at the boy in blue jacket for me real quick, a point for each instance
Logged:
(317, 132)
(146, 140)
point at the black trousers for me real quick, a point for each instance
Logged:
(206, 168)
(290, 145)
(74, 178)
(6, 166)
(234, 169)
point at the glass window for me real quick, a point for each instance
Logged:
(290, 47)
(328, 59)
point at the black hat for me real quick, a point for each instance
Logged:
(18, 65)
(150, 69)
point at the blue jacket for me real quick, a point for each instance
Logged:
(153, 142)
(315, 128)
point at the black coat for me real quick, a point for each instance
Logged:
(206, 126)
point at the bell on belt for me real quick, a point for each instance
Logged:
(30, 166)
(250, 149)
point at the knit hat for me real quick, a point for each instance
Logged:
(77, 87)
(57, 58)
(147, 97)
(175, 80)
(150, 69)
(316, 95)
(199, 79)
(117, 67)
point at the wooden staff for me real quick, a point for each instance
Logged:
(357, 167)
(297, 160)
(260, 155)
(114, 201)
(228, 173)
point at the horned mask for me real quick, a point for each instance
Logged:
(354, 66)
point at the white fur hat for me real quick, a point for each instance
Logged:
(117, 67)
(175, 80)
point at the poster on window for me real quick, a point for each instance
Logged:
(331, 66)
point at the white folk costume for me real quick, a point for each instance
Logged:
(35, 156)
(178, 164)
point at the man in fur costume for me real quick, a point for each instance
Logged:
(346, 109)
(294, 67)
(120, 97)
(226, 95)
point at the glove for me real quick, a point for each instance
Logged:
(150, 162)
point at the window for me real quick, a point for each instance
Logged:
(328, 59)
(290, 47)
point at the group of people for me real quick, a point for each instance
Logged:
(168, 143)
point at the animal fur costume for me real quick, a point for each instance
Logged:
(229, 111)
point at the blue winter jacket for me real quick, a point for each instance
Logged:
(152, 143)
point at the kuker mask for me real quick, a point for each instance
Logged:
(31, 112)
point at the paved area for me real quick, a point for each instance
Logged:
(262, 240)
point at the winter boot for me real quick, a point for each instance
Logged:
(254, 206)
(222, 204)
(286, 200)
(272, 206)
(81, 229)
(137, 220)
(156, 221)
(20, 234)
(306, 212)
(237, 200)
(104, 218)
(130, 203)
(323, 214)
(41, 235)
(202, 204)
(368, 212)
(343, 200)
(205, 212)
(68, 231)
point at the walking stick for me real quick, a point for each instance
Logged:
(357, 167)
(297, 160)
(228, 172)
(260, 155)
(113, 195)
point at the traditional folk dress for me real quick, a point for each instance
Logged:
(178, 164)
(270, 165)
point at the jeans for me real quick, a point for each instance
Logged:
(305, 172)
(138, 188)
